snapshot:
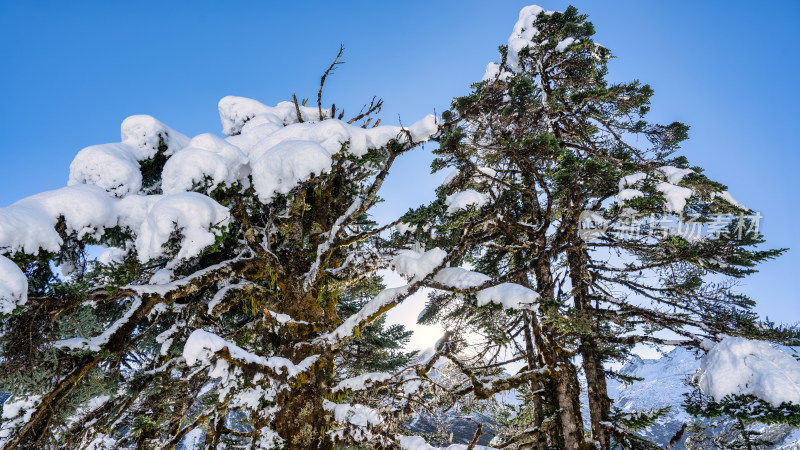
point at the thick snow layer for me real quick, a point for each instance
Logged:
(673, 174)
(236, 111)
(628, 194)
(564, 43)
(362, 382)
(509, 295)
(738, 366)
(194, 215)
(522, 36)
(631, 180)
(252, 135)
(459, 278)
(24, 405)
(29, 224)
(495, 71)
(207, 158)
(675, 196)
(13, 286)
(358, 415)
(113, 167)
(333, 134)
(461, 200)
(418, 265)
(144, 134)
(287, 164)
(201, 344)
(132, 210)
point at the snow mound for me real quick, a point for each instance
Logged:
(113, 167)
(461, 200)
(207, 157)
(235, 112)
(459, 278)
(523, 34)
(333, 134)
(509, 295)
(145, 133)
(675, 196)
(194, 215)
(13, 286)
(418, 265)
(739, 366)
(286, 165)
(29, 224)
(628, 194)
(673, 174)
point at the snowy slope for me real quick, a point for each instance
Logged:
(664, 385)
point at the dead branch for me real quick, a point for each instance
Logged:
(330, 70)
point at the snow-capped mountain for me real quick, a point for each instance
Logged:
(664, 384)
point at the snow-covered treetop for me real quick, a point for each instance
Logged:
(266, 146)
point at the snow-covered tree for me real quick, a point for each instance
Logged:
(224, 291)
(585, 201)
(206, 286)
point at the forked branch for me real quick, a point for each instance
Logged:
(330, 70)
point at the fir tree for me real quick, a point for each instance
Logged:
(236, 291)
(545, 147)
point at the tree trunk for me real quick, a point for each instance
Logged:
(301, 419)
(563, 391)
(599, 403)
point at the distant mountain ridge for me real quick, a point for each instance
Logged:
(663, 384)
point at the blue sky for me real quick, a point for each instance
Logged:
(72, 72)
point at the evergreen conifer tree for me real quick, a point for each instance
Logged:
(624, 243)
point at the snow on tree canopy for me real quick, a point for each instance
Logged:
(739, 366)
(287, 164)
(509, 295)
(418, 265)
(29, 224)
(673, 174)
(193, 214)
(462, 200)
(675, 196)
(201, 344)
(207, 156)
(523, 34)
(459, 278)
(145, 133)
(113, 167)
(332, 134)
(235, 112)
(13, 286)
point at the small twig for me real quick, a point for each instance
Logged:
(297, 108)
(330, 70)
(373, 108)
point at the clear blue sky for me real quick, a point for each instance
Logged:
(72, 72)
